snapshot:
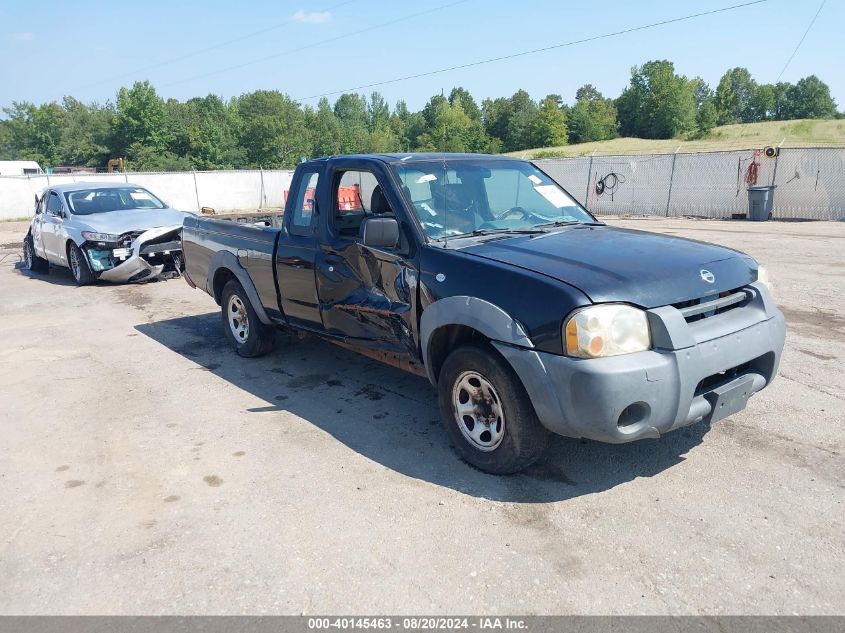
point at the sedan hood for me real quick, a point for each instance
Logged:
(611, 264)
(117, 222)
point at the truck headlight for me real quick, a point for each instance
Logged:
(763, 278)
(606, 330)
(91, 236)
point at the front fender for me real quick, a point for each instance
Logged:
(228, 261)
(478, 314)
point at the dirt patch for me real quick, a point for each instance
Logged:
(816, 323)
(133, 296)
(213, 480)
(372, 392)
(309, 381)
(816, 355)
(74, 483)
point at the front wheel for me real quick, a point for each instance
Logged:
(31, 261)
(248, 336)
(82, 274)
(487, 412)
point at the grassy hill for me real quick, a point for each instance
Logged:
(798, 133)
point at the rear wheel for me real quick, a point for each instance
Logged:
(487, 412)
(78, 263)
(248, 336)
(31, 261)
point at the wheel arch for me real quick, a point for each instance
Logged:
(453, 321)
(223, 267)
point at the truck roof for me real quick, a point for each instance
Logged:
(414, 157)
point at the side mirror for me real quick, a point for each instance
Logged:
(380, 232)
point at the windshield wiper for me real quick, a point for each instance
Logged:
(560, 223)
(476, 232)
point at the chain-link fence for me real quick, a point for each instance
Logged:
(809, 182)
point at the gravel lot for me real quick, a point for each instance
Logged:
(146, 469)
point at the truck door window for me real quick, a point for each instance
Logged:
(304, 203)
(357, 196)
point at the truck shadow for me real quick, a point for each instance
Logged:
(391, 417)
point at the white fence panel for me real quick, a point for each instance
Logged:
(241, 190)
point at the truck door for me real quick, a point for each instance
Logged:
(367, 294)
(296, 253)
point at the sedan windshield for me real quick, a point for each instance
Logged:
(106, 199)
(480, 196)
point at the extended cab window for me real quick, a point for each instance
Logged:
(304, 203)
(357, 196)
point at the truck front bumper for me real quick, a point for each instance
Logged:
(700, 371)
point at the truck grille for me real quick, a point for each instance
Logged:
(697, 309)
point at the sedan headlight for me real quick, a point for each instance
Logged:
(606, 330)
(91, 236)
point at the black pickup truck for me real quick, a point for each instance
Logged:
(525, 312)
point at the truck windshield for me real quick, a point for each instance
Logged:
(461, 197)
(106, 199)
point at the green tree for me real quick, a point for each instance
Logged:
(36, 131)
(271, 129)
(351, 111)
(328, 131)
(495, 114)
(592, 118)
(378, 112)
(450, 129)
(734, 96)
(763, 103)
(658, 103)
(468, 104)
(212, 135)
(706, 114)
(810, 99)
(521, 123)
(86, 137)
(549, 127)
(141, 118)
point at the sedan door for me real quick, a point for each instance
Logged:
(36, 226)
(52, 229)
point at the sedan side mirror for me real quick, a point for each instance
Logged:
(380, 232)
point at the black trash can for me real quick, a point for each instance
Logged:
(760, 202)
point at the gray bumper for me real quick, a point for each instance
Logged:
(679, 382)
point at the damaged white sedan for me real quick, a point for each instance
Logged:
(114, 232)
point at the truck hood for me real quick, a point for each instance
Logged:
(117, 222)
(612, 264)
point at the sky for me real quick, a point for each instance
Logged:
(304, 49)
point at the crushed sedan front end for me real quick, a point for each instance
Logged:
(137, 255)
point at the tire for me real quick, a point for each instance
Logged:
(248, 336)
(78, 264)
(31, 261)
(513, 438)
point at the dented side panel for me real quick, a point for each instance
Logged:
(368, 296)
